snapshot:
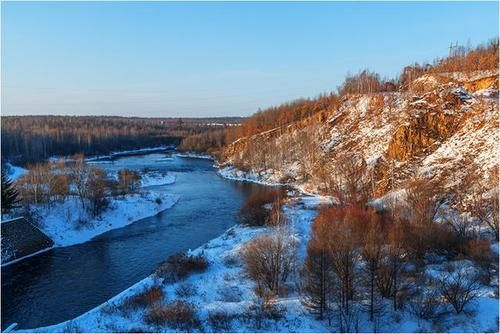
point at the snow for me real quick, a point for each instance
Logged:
(225, 287)
(232, 173)
(195, 155)
(156, 179)
(15, 172)
(62, 220)
(116, 154)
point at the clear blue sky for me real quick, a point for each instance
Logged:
(213, 59)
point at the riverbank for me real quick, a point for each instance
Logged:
(225, 288)
(195, 155)
(67, 224)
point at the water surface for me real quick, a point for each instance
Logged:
(65, 282)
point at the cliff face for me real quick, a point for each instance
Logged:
(446, 125)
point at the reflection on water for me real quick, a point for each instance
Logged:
(65, 282)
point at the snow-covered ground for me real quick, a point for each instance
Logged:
(15, 172)
(130, 152)
(195, 155)
(225, 287)
(232, 173)
(67, 224)
(156, 179)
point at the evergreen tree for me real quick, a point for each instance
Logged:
(9, 193)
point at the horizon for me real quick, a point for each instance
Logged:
(199, 60)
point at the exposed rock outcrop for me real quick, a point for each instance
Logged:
(442, 121)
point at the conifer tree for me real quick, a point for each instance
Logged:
(9, 193)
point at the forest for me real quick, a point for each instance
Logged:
(460, 59)
(27, 139)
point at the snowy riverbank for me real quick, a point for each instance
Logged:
(15, 172)
(67, 224)
(225, 287)
(116, 154)
(232, 173)
(194, 155)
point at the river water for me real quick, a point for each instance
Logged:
(65, 282)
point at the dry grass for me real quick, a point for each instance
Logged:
(180, 266)
(178, 314)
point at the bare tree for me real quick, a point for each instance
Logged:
(485, 204)
(372, 253)
(459, 288)
(269, 259)
(78, 174)
(128, 180)
(350, 180)
(97, 191)
(319, 280)
(389, 277)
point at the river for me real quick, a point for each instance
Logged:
(63, 283)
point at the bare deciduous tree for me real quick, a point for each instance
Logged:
(269, 259)
(350, 180)
(459, 288)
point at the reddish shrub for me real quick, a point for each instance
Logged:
(177, 314)
(179, 266)
(148, 297)
(254, 211)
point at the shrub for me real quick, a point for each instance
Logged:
(177, 314)
(459, 288)
(254, 211)
(269, 259)
(425, 299)
(479, 251)
(220, 321)
(179, 266)
(264, 307)
(230, 294)
(148, 297)
(186, 290)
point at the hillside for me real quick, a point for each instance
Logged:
(445, 125)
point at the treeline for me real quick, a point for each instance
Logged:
(286, 113)
(27, 139)
(461, 59)
(280, 116)
(47, 183)
(210, 141)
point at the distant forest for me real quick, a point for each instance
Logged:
(34, 138)
(28, 139)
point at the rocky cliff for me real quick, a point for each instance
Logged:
(444, 125)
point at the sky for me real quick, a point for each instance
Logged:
(171, 59)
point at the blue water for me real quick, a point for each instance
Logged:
(65, 282)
